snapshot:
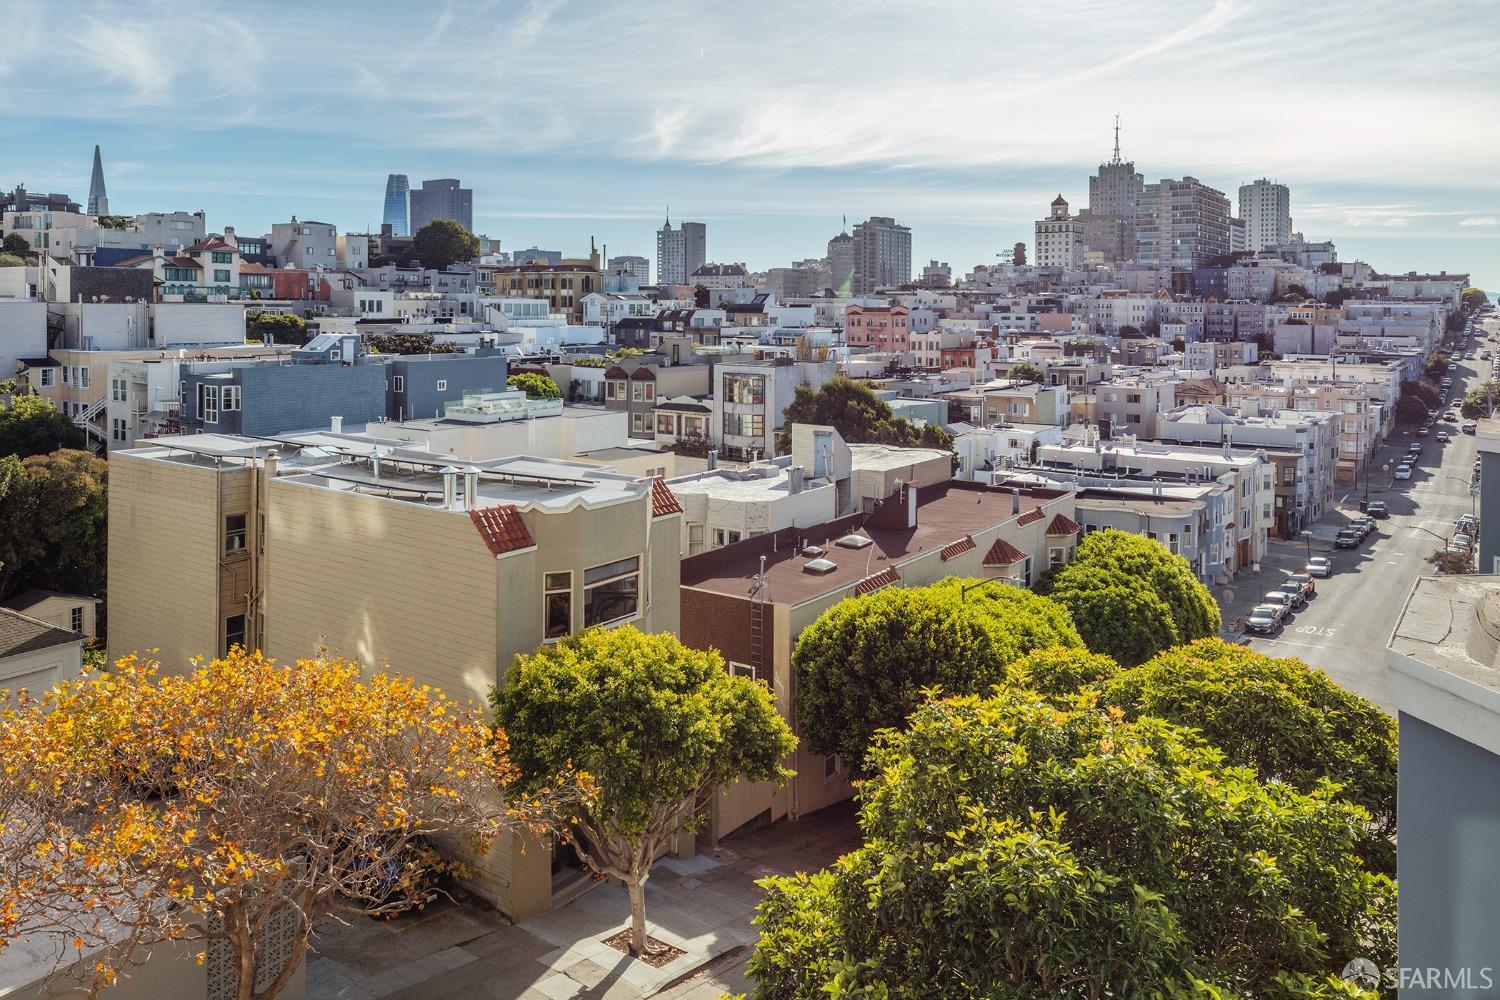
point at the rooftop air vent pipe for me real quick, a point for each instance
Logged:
(450, 485)
(471, 487)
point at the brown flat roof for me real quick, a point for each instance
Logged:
(946, 512)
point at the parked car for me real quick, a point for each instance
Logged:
(1347, 538)
(1470, 428)
(1364, 524)
(1319, 566)
(1415, 447)
(1403, 471)
(1422, 431)
(1294, 590)
(1467, 541)
(1306, 582)
(1442, 436)
(1378, 508)
(1278, 599)
(1264, 619)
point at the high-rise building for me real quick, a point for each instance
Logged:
(680, 252)
(1266, 208)
(443, 198)
(882, 255)
(1114, 202)
(841, 262)
(1059, 238)
(638, 266)
(397, 192)
(98, 198)
(1182, 224)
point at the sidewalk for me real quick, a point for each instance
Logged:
(701, 905)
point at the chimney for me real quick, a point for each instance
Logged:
(713, 459)
(375, 462)
(471, 487)
(1227, 452)
(273, 460)
(229, 236)
(337, 425)
(794, 479)
(450, 485)
(1015, 502)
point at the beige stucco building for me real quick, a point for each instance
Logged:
(397, 558)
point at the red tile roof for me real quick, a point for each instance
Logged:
(959, 547)
(133, 261)
(870, 584)
(184, 262)
(211, 243)
(1031, 516)
(1062, 525)
(1002, 553)
(663, 500)
(502, 529)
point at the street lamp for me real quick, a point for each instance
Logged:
(1307, 537)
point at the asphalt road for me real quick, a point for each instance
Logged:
(1344, 630)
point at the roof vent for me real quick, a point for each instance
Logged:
(853, 542)
(819, 567)
(813, 551)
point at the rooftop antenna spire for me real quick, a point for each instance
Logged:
(1117, 139)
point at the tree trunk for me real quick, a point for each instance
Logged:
(637, 918)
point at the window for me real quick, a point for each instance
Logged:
(745, 388)
(611, 592)
(234, 533)
(638, 422)
(1057, 556)
(210, 413)
(83, 376)
(398, 383)
(695, 539)
(221, 275)
(725, 537)
(117, 430)
(831, 766)
(77, 619)
(638, 391)
(223, 257)
(1288, 476)
(117, 390)
(650, 391)
(48, 376)
(744, 424)
(664, 423)
(557, 605)
(442, 384)
(741, 670)
(234, 632)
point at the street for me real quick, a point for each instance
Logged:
(1345, 627)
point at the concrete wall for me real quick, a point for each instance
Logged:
(165, 537)
(23, 332)
(176, 323)
(1448, 811)
(420, 396)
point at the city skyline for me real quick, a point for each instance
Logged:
(772, 168)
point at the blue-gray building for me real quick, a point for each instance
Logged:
(329, 377)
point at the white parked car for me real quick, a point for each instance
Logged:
(1403, 471)
(1442, 435)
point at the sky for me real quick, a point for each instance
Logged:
(767, 121)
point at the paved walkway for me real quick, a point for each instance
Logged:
(702, 905)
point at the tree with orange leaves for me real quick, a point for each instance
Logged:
(246, 795)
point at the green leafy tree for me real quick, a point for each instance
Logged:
(1423, 392)
(1473, 299)
(15, 243)
(1179, 344)
(1481, 401)
(860, 417)
(283, 328)
(1130, 332)
(443, 242)
(868, 662)
(691, 446)
(409, 343)
(52, 523)
(1013, 849)
(31, 425)
(1026, 372)
(1437, 365)
(11, 260)
(115, 221)
(1410, 410)
(1108, 562)
(1289, 722)
(658, 727)
(1061, 672)
(7, 387)
(535, 386)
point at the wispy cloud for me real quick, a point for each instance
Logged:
(1480, 220)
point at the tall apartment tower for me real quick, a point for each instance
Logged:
(443, 198)
(680, 252)
(1266, 209)
(841, 262)
(98, 198)
(1182, 224)
(1059, 238)
(882, 254)
(397, 192)
(1114, 202)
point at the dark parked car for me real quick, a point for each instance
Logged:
(1294, 590)
(1378, 508)
(1264, 619)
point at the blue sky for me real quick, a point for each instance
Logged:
(767, 121)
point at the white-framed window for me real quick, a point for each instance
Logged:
(442, 384)
(637, 391)
(557, 605)
(650, 391)
(611, 592)
(117, 388)
(638, 421)
(832, 765)
(1057, 556)
(83, 376)
(118, 430)
(398, 383)
(47, 377)
(230, 398)
(210, 411)
(737, 669)
(695, 539)
(76, 619)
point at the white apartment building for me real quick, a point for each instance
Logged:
(1266, 208)
(49, 232)
(680, 252)
(722, 506)
(749, 398)
(304, 244)
(1059, 238)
